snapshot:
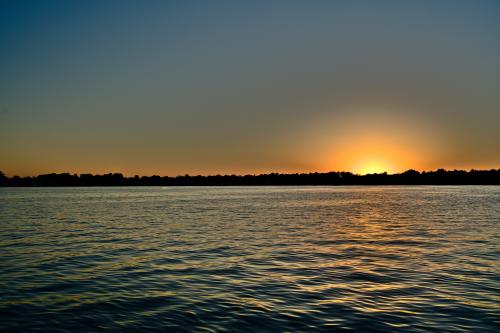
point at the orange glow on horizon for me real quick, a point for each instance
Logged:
(365, 140)
(377, 153)
(376, 156)
(370, 167)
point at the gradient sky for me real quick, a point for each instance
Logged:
(204, 87)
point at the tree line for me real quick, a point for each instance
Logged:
(410, 177)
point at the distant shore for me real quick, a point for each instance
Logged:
(410, 177)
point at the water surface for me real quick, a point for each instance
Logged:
(381, 259)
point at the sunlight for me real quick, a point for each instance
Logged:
(372, 168)
(366, 140)
(364, 156)
(372, 165)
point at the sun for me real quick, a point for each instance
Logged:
(372, 168)
(369, 165)
(370, 139)
(370, 154)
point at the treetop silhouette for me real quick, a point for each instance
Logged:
(409, 177)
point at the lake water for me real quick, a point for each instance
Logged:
(255, 259)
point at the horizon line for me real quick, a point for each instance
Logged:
(249, 174)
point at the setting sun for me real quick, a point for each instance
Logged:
(369, 138)
(373, 167)
(371, 154)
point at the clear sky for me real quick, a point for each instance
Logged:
(205, 87)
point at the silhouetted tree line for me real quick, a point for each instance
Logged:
(410, 177)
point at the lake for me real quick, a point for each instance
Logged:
(250, 259)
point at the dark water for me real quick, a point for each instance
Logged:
(386, 259)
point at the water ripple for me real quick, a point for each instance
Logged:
(256, 259)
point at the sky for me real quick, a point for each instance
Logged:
(235, 87)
